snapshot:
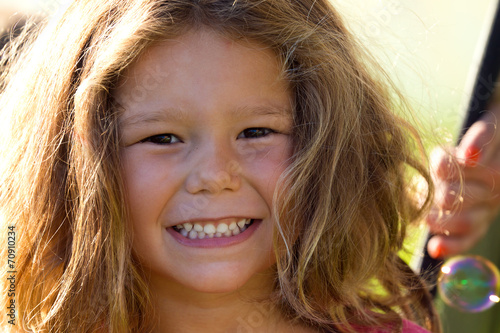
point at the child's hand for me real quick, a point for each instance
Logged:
(463, 212)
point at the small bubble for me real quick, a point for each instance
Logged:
(469, 283)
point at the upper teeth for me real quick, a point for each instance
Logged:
(209, 230)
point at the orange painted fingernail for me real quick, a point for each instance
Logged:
(435, 253)
(439, 252)
(472, 156)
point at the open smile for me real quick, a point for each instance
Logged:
(201, 230)
(214, 234)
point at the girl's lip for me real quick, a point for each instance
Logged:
(215, 242)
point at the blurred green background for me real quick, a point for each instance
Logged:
(430, 48)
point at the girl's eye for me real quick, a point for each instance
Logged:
(253, 133)
(162, 139)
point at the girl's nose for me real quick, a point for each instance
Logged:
(214, 171)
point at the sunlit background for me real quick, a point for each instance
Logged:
(431, 48)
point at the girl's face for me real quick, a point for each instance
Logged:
(205, 137)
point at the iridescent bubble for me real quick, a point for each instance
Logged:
(469, 283)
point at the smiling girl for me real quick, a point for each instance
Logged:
(206, 166)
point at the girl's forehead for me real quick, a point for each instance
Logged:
(212, 44)
(203, 67)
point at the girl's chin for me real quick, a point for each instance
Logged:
(221, 278)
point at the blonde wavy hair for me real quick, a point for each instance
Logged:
(340, 224)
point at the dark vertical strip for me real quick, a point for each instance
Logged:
(486, 77)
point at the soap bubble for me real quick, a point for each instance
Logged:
(469, 283)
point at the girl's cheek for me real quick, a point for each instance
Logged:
(277, 151)
(265, 164)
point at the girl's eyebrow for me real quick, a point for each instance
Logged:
(263, 110)
(178, 115)
(154, 116)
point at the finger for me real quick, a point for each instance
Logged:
(448, 196)
(462, 223)
(454, 196)
(443, 164)
(480, 142)
(459, 233)
(441, 246)
(488, 174)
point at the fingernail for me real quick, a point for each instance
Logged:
(472, 155)
(441, 252)
(435, 253)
